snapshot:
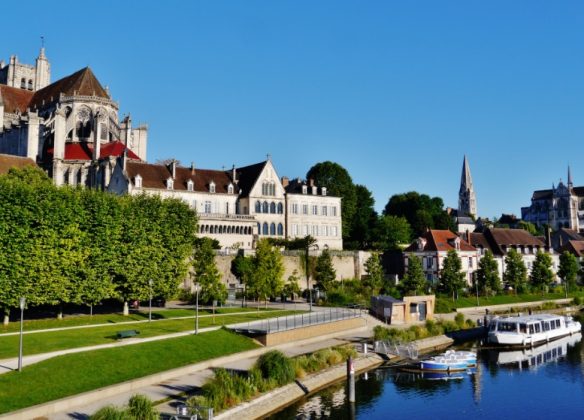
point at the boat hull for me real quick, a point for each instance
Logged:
(434, 366)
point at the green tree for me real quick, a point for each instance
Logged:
(451, 276)
(325, 274)
(515, 274)
(364, 221)
(541, 275)
(374, 271)
(391, 232)
(487, 274)
(292, 288)
(207, 274)
(338, 183)
(414, 281)
(568, 270)
(267, 278)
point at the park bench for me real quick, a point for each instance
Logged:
(127, 333)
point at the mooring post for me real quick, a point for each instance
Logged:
(351, 379)
(365, 348)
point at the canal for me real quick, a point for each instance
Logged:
(542, 383)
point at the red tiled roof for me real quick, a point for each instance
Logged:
(15, 99)
(8, 162)
(514, 237)
(440, 241)
(155, 176)
(84, 151)
(575, 247)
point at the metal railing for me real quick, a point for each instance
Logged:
(389, 347)
(291, 322)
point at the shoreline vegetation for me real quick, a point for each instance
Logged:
(416, 332)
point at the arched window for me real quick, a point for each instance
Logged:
(30, 84)
(230, 189)
(266, 232)
(212, 187)
(272, 189)
(259, 229)
(265, 207)
(258, 207)
(273, 229)
(280, 229)
(190, 185)
(280, 208)
(23, 83)
(272, 207)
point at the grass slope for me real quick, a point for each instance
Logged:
(76, 373)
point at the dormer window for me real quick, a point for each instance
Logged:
(323, 189)
(304, 189)
(421, 244)
(314, 190)
(190, 185)
(230, 189)
(212, 187)
(169, 184)
(138, 181)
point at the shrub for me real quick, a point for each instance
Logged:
(110, 412)
(140, 407)
(459, 319)
(577, 300)
(275, 365)
(469, 323)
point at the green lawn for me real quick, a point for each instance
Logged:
(45, 342)
(81, 320)
(76, 373)
(445, 304)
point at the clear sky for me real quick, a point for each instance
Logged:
(396, 92)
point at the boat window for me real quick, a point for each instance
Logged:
(557, 323)
(507, 326)
(531, 329)
(552, 325)
(546, 326)
(538, 327)
(523, 328)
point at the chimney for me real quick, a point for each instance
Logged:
(548, 238)
(285, 181)
(192, 168)
(234, 174)
(468, 237)
(172, 168)
(311, 182)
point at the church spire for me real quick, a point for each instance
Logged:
(466, 195)
(570, 185)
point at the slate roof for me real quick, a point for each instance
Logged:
(82, 82)
(155, 176)
(498, 240)
(8, 162)
(15, 99)
(247, 177)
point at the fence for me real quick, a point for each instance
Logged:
(291, 322)
(409, 351)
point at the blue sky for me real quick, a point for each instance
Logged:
(396, 92)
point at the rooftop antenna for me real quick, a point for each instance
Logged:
(42, 41)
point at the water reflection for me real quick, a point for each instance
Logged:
(546, 381)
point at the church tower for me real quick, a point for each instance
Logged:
(467, 202)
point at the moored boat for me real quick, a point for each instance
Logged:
(530, 330)
(450, 361)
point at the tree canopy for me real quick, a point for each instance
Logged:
(487, 274)
(515, 274)
(541, 275)
(568, 270)
(325, 274)
(414, 281)
(451, 276)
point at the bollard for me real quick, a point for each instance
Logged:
(365, 345)
(351, 379)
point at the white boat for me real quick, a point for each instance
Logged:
(530, 330)
(536, 356)
(450, 361)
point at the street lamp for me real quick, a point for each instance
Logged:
(150, 302)
(22, 303)
(197, 287)
(309, 243)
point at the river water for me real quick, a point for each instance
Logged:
(546, 382)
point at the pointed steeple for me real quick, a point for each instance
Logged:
(467, 203)
(570, 185)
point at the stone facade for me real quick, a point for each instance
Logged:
(69, 127)
(559, 207)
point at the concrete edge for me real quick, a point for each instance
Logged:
(505, 306)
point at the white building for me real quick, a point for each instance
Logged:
(241, 205)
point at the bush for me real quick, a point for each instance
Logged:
(577, 300)
(110, 412)
(459, 319)
(274, 365)
(140, 407)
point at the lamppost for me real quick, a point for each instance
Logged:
(197, 287)
(150, 301)
(22, 303)
(476, 282)
(309, 243)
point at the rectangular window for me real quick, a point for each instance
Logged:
(314, 230)
(429, 262)
(226, 208)
(469, 262)
(314, 210)
(295, 208)
(295, 230)
(304, 230)
(334, 211)
(325, 231)
(305, 209)
(324, 210)
(334, 231)
(208, 207)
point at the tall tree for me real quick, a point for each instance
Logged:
(451, 276)
(374, 272)
(391, 232)
(420, 210)
(325, 274)
(207, 274)
(568, 270)
(338, 183)
(515, 274)
(541, 275)
(364, 221)
(488, 274)
(267, 278)
(414, 281)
